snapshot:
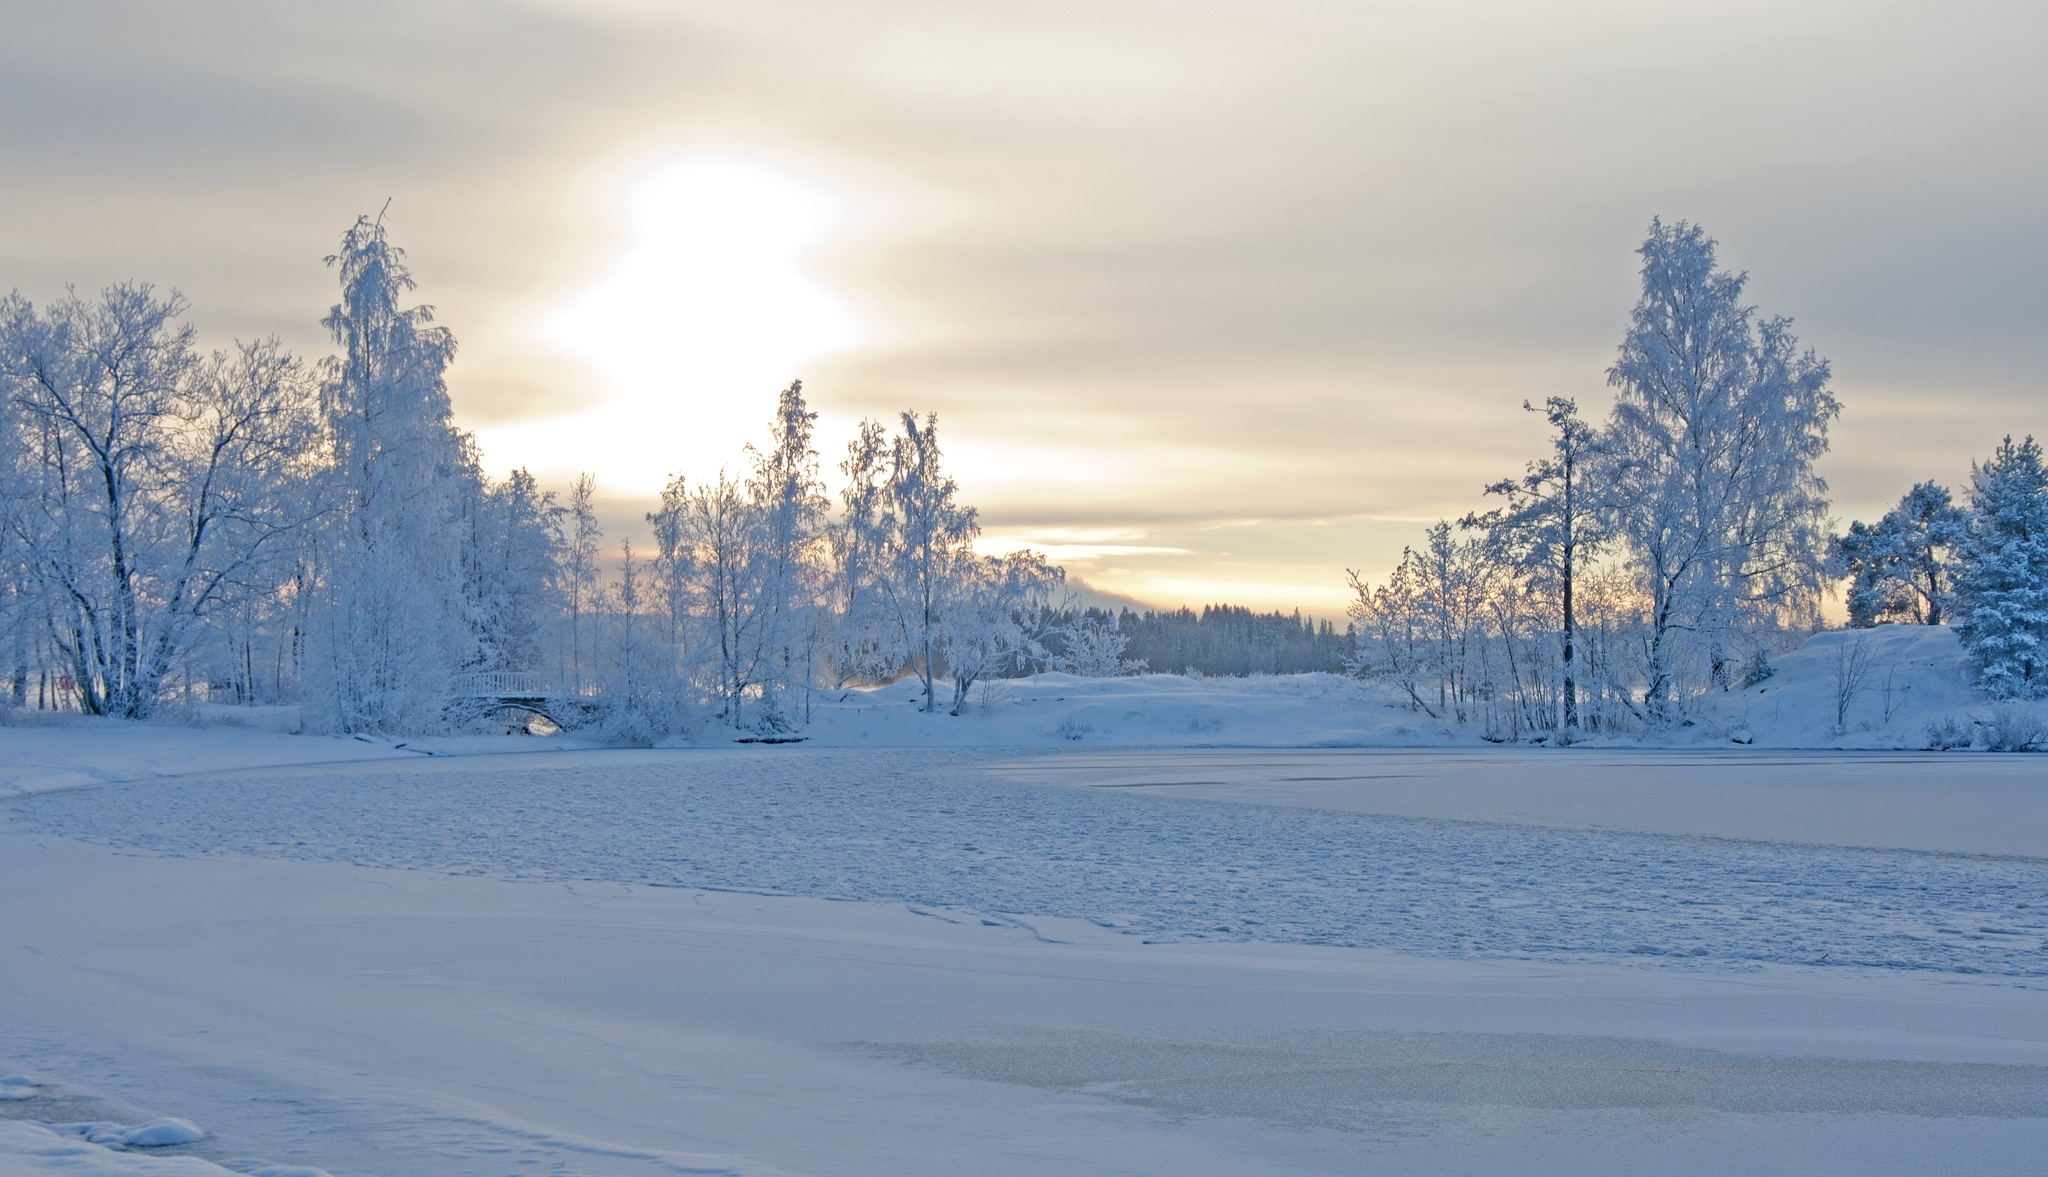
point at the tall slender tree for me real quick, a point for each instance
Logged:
(1551, 524)
(581, 572)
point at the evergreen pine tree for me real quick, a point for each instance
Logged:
(2001, 582)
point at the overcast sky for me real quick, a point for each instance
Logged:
(1213, 300)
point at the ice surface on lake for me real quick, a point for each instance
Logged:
(1369, 1082)
(932, 828)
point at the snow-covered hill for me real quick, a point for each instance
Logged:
(1859, 688)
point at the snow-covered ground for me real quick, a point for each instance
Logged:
(1152, 710)
(1089, 944)
(1911, 675)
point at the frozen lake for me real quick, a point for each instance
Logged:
(1144, 846)
(793, 960)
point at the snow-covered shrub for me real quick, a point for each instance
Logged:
(1946, 733)
(1094, 649)
(626, 727)
(1758, 669)
(992, 695)
(2015, 727)
(1072, 728)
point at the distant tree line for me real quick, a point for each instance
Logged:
(1229, 640)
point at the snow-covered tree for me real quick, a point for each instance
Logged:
(1898, 566)
(2001, 574)
(511, 557)
(787, 559)
(1708, 470)
(1551, 524)
(1092, 647)
(723, 526)
(998, 611)
(866, 647)
(931, 549)
(150, 486)
(389, 632)
(672, 572)
(1423, 629)
(581, 573)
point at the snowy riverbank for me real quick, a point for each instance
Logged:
(1900, 679)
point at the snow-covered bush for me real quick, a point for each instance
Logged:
(2015, 727)
(1758, 669)
(1073, 728)
(1091, 647)
(1946, 733)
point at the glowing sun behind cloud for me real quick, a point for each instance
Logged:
(707, 311)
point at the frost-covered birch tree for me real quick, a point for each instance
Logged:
(722, 524)
(1709, 480)
(930, 550)
(672, 572)
(511, 552)
(150, 485)
(998, 613)
(866, 647)
(789, 505)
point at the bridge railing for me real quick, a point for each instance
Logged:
(497, 684)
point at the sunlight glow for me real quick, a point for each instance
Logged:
(707, 312)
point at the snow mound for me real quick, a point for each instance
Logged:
(27, 1147)
(158, 1133)
(17, 1087)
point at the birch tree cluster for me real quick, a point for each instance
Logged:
(187, 528)
(1644, 560)
(1667, 552)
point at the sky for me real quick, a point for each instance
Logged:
(1214, 300)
